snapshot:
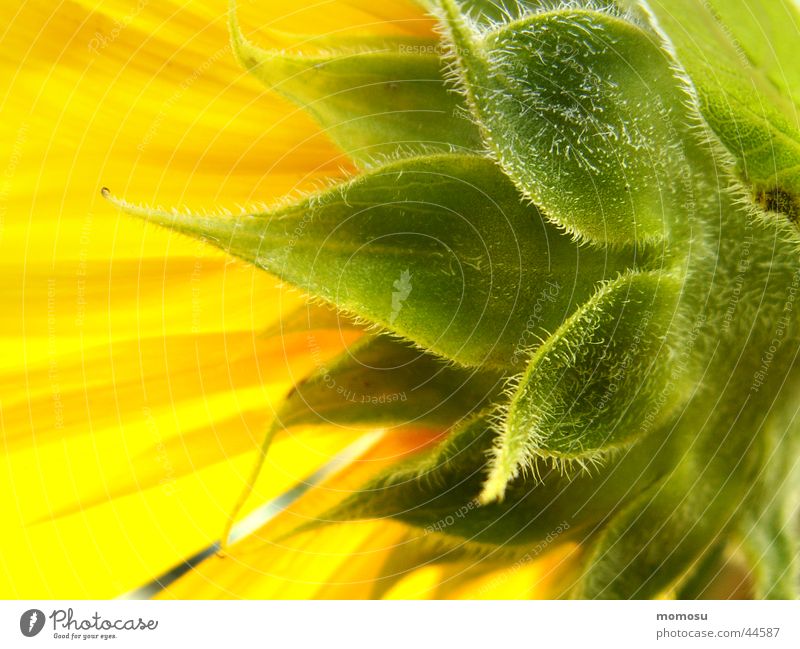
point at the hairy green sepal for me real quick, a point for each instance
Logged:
(584, 112)
(439, 249)
(375, 97)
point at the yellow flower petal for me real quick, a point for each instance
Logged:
(544, 575)
(336, 562)
(330, 561)
(420, 584)
(529, 576)
(48, 486)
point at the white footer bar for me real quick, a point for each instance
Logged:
(401, 625)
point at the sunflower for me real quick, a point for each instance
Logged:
(527, 328)
(139, 368)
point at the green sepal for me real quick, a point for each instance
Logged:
(438, 491)
(375, 97)
(584, 111)
(380, 381)
(652, 544)
(601, 382)
(748, 87)
(625, 562)
(437, 249)
(490, 13)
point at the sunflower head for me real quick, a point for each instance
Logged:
(572, 270)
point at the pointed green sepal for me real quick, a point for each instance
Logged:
(375, 97)
(380, 381)
(488, 14)
(651, 545)
(438, 491)
(599, 383)
(439, 250)
(584, 111)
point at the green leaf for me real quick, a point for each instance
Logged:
(378, 382)
(591, 386)
(385, 382)
(374, 96)
(584, 112)
(745, 86)
(615, 570)
(438, 249)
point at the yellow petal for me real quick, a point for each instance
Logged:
(540, 573)
(134, 532)
(336, 562)
(331, 561)
(422, 583)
